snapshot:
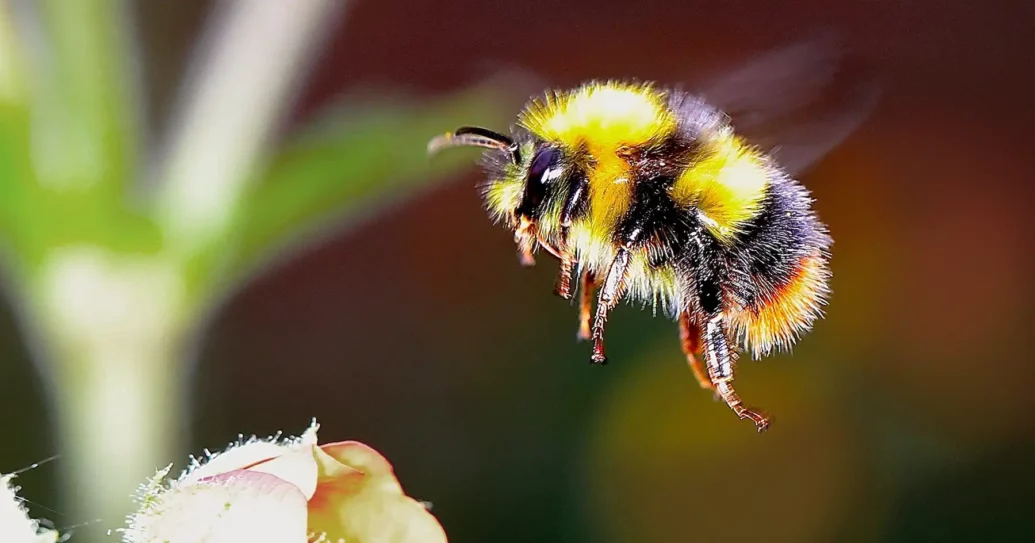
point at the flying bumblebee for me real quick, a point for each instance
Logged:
(683, 201)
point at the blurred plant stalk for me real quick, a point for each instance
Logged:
(114, 323)
(112, 278)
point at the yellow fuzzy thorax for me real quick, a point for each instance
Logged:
(601, 116)
(727, 187)
(596, 121)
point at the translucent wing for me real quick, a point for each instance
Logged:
(797, 102)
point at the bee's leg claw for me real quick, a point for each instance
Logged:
(761, 421)
(726, 392)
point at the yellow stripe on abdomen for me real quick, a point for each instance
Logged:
(727, 186)
(782, 316)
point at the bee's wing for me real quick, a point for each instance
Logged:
(796, 102)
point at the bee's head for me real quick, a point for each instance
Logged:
(525, 176)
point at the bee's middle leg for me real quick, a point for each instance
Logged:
(586, 305)
(690, 338)
(610, 294)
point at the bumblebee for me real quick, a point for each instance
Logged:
(652, 194)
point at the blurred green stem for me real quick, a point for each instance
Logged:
(115, 322)
(113, 283)
(114, 327)
(121, 416)
(248, 82)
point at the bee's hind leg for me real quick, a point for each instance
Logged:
(690, 338)
(720, 372)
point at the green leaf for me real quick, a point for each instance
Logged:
(21, 207)
(20, 202)
(84, 98)
(354, 163)
(67, 138)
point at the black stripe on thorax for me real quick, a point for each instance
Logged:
(653, 217)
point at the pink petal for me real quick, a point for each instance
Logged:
(296, 467)
(232, 507)
(236, 458)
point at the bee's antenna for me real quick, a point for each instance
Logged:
(477, 137)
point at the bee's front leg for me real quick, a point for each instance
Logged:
(563, 286)
(525, 238)
(574, 204)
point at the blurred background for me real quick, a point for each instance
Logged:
(906, 415)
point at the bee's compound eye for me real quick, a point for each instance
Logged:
(546, 166)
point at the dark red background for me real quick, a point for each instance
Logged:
(906, 415)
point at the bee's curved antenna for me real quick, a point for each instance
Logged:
(477, 137)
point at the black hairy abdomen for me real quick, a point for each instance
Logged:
(767, 254)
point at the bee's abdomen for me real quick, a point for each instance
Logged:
(778, 237)
(779, 269)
